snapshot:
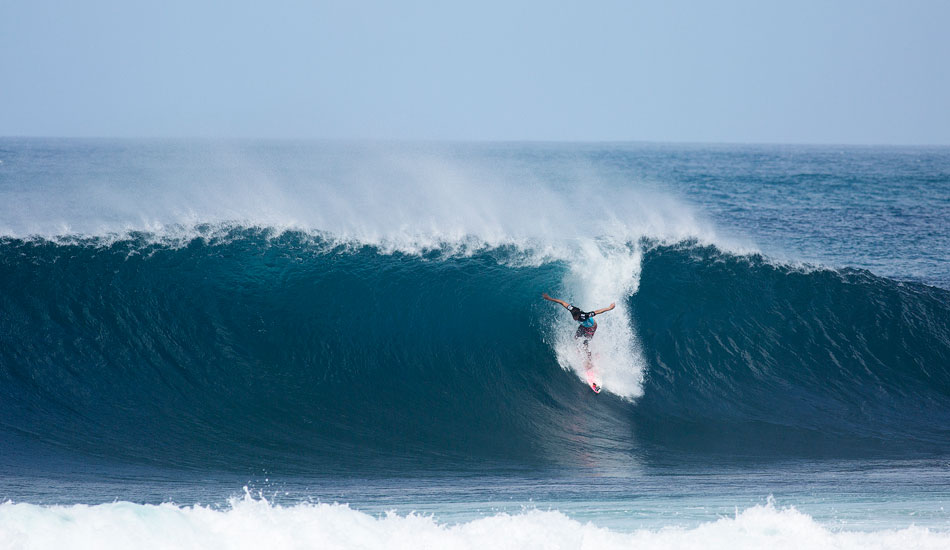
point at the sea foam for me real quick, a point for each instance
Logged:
(255, 523)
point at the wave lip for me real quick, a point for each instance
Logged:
(403, 196)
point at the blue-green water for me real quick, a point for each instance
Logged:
(319, 323)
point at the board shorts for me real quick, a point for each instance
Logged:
(585, 332)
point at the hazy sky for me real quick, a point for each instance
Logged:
(757, 71)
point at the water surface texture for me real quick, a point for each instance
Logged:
(236, 343)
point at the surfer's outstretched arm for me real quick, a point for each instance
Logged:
(555, 300)
(605, 309)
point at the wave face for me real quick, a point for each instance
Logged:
(290, 349)
(741, 350)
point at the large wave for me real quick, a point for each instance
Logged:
(248, 346)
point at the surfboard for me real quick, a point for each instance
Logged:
(592, 379)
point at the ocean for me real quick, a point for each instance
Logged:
(306, 344)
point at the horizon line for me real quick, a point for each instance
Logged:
(474, 141)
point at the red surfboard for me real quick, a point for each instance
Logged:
(592, 380)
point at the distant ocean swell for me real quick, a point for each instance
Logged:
(261, 349)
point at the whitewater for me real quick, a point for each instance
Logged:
(226, 344)
(252, 523)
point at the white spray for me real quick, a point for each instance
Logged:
(602, 274)
(407, 198)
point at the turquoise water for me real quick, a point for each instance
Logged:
(226, 338)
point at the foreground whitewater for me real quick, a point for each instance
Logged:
(252, 523)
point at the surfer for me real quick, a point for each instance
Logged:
(586, 331)
(586, 319)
